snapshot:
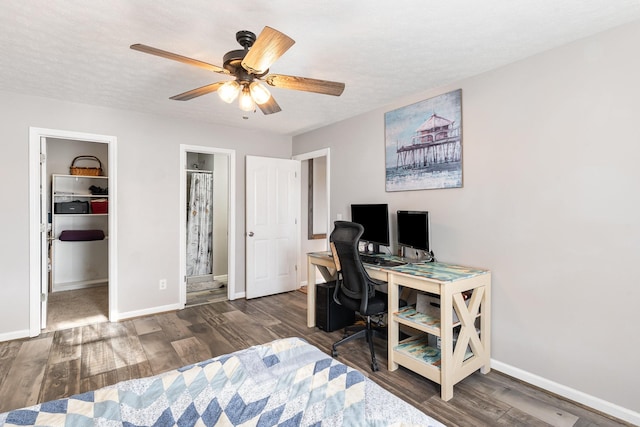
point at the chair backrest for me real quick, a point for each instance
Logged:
(354, 281)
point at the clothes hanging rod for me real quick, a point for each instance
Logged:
(198, 170)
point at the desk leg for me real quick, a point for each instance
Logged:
(311, 293)
(393, 333)
(447, 365)
(485, 327)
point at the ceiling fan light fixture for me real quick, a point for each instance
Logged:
(259, 93)
(229, 91)
(245, 101)
(249, 69)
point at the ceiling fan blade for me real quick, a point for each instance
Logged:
(269, 46)
(194, 93)
(325, 87)
(174, 56)
(270, 107)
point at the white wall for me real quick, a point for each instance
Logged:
(148, 195)
(550, 204)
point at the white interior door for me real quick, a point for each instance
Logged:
(272, 225)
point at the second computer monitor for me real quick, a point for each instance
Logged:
(414, 230)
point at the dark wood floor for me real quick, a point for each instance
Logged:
(65, 362)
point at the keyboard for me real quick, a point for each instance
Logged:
(374, 260)
(369, 259)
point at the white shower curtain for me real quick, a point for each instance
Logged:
(200, 225)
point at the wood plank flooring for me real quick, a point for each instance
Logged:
(61, 363)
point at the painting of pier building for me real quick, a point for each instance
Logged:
(424, 144)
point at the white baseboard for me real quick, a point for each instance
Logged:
(303, 283)
(148, 311)
(222, 278)
(14, 335)
(238, 295)
(569, 393)
(208, 277)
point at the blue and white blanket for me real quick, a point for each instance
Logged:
(284, 383)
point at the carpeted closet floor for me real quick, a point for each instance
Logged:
(68, 309)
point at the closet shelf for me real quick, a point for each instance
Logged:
(78, 263)
(79, 177)
(81, 241)
(79, 215)
(96, 196)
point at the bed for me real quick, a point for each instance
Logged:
(286, 382)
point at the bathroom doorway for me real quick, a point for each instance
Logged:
(206, 224)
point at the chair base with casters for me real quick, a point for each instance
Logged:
(367, 331)
(377, 307)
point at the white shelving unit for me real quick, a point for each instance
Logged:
(78, 264)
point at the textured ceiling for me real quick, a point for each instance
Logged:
(78, 50)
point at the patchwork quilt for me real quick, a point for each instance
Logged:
(286, 382)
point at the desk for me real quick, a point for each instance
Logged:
(472, 350)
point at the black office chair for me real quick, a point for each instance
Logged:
(355, 290)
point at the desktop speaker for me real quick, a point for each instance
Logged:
(330, 315)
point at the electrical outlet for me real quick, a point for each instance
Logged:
(339, 217)
(163, 284)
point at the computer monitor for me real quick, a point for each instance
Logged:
(413, 230)
(375, 220)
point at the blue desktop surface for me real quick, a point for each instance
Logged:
(439, 271)
(433, 270)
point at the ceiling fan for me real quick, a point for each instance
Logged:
(250, 68)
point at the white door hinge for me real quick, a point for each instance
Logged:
(43, 158)
(43, 297)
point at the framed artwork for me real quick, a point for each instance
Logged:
(423, 144)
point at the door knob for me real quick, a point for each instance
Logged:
(250, 234)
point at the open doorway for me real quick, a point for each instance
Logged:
(315, 201)
(72, 200)
(207, 206)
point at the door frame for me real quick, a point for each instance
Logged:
(231, 218)
(323, 152)
(36, 199)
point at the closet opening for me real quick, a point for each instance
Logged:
(78, 225)
(206, 225)
(72, 216)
